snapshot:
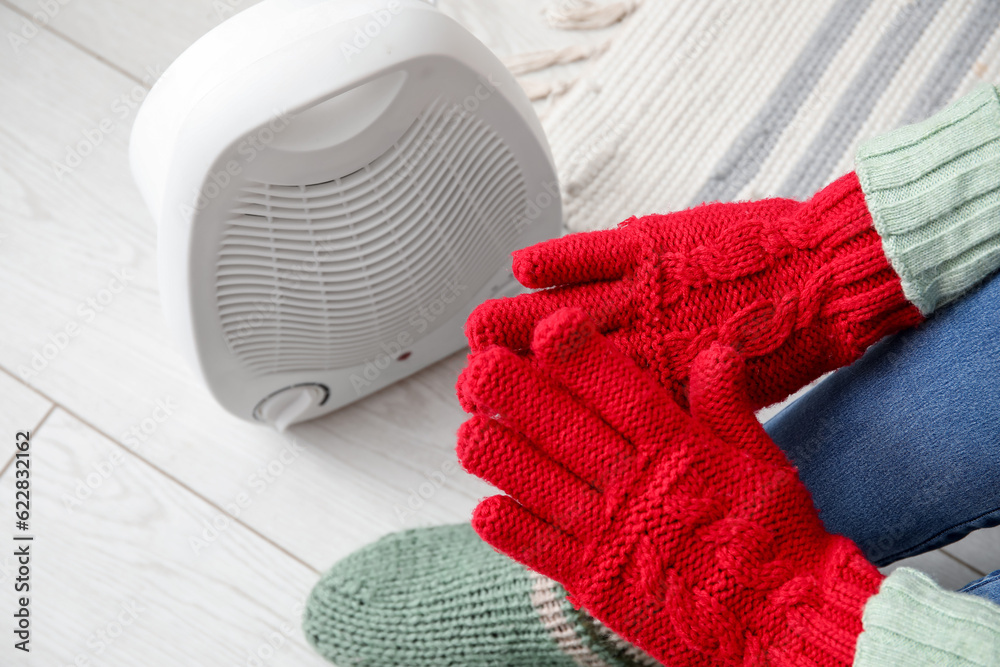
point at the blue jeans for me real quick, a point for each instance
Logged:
(901, 450)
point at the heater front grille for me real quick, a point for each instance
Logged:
(319, 277)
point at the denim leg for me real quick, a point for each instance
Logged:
(901, 451)
(988, 587)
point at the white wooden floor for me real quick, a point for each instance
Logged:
(137, 559)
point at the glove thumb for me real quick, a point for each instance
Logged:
(719, 400)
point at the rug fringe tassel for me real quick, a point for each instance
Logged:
(539, 90)
(568, 15)
(523, 63)
(587, 14)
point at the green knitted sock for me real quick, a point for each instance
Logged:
(933, 190)
(432, 597)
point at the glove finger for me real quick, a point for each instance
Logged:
(569, 347)
(513, 464)
(503, 384)
(719, 400)
(576, 258)
(515, 531)
(509, 322)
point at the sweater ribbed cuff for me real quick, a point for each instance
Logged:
(913, 622)
(933, 189)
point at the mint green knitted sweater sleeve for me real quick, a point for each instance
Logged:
(933, 189)
(912, 622)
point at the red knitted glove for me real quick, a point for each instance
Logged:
(690, 536)
(797, 288)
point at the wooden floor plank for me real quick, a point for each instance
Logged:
(22, 410)
(117, 579)
(980, 549)
(947, 572)
(134, 35)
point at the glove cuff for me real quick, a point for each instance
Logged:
(933, 189)
(826, 631)
(862, 300)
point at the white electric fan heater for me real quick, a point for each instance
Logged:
(337, 184)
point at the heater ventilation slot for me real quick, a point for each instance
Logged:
(319, 277)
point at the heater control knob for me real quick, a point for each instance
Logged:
(288, 406)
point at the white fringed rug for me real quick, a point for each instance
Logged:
(739, 99)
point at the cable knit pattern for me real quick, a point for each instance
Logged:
(689, 535)
(934, 193)
(797, 288)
